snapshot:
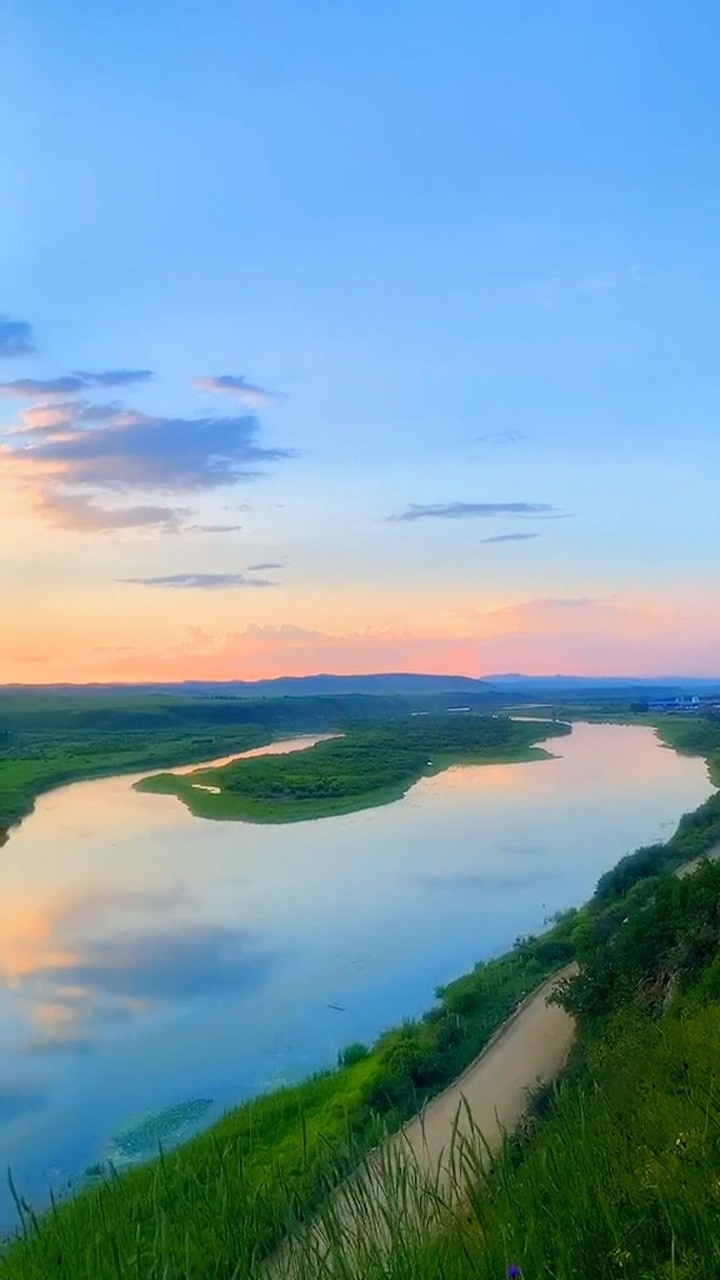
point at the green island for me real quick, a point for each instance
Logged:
(363, 768)
(52, 737)
(615, 1171)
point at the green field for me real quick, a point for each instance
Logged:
(217, 1206)
(364, 768)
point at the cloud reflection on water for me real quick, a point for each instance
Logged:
(101, 957)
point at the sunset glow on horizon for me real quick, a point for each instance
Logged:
(357, 354)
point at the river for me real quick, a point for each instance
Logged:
(152, 962)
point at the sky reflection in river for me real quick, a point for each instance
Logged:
(148, 957)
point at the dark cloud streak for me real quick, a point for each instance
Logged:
(116, 377)
(72, 383)
(200, 581)
(511, 537)
(473, 510)
(215, 528)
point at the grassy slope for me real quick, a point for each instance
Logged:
(289, 789)
(617, 1171)
(219, 1203)
(619, 1178)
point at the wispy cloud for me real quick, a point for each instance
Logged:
(16, 338)
(511, 537)
(26, 388)
(116, 377)
(264, 565)
(500, 437)
(215, 528)
(78, 512)
(230, 384)
(72, 383)
(200, 581)
(61, 413)
(473, 511)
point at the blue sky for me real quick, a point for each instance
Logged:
(470, 249)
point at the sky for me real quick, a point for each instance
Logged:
(359, 337)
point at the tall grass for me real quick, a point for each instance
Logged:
(621, 1178)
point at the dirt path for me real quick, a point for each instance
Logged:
(490, 1096)
(530, 1049)
(712, 855)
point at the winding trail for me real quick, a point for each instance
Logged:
(474, 1113)
(491, 1095)
(489, 1098)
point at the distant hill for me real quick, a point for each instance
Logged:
(397, 683)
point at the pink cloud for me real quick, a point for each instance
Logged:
(572, 636)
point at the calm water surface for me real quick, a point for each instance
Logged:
(150, 959)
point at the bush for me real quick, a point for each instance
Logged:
(353, 1054)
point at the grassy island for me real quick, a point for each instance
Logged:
(361, 769)
(49, 737)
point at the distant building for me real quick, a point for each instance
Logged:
(686, 705)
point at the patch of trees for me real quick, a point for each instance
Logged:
(377, 758)
(662, 936)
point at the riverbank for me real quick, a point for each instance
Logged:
(228, 1198)
(363, 769)
(615, 1169)
(24, 781)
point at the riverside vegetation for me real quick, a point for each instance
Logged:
(60, 735)
(616, 1173)
(51, 737)
(362, 769)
